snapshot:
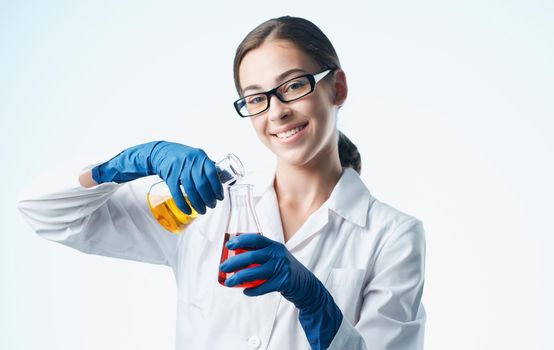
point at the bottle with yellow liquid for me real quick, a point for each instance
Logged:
(165, 210)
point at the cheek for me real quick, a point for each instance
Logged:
(259, 127)
(314, 108)
(324, 113)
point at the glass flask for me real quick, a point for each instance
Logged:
(242, 219)
(165, 210)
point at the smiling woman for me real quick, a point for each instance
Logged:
(342, 270)
(297, 39)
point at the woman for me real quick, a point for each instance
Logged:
(343, 270)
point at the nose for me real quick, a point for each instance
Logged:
(277, 109)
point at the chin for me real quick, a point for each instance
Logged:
(293, 157)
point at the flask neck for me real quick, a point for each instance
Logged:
(240, 196)
(242, 216)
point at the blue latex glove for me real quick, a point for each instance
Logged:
(175, 163)
(319, 316)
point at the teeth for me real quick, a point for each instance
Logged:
(289, 133)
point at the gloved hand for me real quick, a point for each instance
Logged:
(319, 316)
(175, 163)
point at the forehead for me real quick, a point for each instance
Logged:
(262, 66)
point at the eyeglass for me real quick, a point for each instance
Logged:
(290, 90)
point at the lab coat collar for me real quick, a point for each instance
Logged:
(350, 199)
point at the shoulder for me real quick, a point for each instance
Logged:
(352, 200)
(372, 224)
(394, 230)
(384, 215)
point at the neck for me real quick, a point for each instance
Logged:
(306, 187)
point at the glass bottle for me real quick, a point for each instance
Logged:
(242, 219)
(165, 210)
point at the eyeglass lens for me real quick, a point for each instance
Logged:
(289, 91)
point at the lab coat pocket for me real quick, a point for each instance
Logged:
(345, 285)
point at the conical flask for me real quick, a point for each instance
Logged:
(242, 219)
(165, 210)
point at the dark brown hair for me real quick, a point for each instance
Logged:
(309, 38)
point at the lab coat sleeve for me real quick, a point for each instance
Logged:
(392, 316)
(109, 219)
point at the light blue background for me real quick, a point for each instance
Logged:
(450, 104)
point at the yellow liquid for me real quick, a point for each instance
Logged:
(168, 215)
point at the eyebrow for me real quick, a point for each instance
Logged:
(279, 77)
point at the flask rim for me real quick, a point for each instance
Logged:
(238, 187)
(235, 164)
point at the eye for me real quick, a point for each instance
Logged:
(256, 99)
(295, 87)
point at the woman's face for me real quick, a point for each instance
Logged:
(301, 132)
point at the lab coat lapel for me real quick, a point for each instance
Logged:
(269, 215)
(314, 224)
(269, 218)
(350, 199)
(272, 227)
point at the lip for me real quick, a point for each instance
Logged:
(287, 128)
(294, 137)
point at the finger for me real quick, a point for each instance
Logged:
(256, 273)
(190, 188)
(250, 241)
(202, 184)
(178, 198)
(193, 196)
(244, 260)
(211, 173)
(271, 285)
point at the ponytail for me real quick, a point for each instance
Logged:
(348, 154)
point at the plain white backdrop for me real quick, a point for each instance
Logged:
(450, 104)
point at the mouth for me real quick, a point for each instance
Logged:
(287, 134)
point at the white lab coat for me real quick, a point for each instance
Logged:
(369, 256)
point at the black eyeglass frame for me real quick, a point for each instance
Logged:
(312, 78)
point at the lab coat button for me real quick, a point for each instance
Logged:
(254, 342)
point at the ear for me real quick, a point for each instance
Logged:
(341, 88)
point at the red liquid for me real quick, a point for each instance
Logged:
(225, 254)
